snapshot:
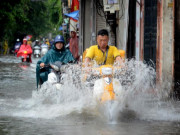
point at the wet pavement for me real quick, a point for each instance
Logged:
(26, 111)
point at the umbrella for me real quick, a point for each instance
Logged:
(28, 37)
(74, 15)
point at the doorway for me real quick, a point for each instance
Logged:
(150, 32)
(177, 49)
(131, 30)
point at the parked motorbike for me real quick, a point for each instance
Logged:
(44, 49)
(37, 51)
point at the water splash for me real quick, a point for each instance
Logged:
(140, 99)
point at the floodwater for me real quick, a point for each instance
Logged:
(143, 109)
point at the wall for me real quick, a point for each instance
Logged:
(88, 25)
(167, 45)
(122, 29)
(85, 25)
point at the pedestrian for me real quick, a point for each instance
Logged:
(73, 45)
(5, 47)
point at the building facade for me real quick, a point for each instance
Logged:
(148, 30)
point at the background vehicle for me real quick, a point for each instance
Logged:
(25, 57)
(37, 51)
(17, 46)
(44, 49)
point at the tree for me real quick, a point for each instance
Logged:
(22, 17)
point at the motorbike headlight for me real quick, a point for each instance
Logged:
(107, 71)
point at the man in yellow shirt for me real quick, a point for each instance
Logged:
(102, 53)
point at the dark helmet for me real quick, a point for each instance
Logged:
(59, 38)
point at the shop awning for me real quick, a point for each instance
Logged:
(74, 15)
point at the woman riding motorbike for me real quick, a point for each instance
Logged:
(25, 51)
(57, 53)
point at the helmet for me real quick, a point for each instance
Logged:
(18, 40)
(24, 39)
(59, 38)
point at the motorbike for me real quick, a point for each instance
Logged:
(25, 57)
(107, 90)
(44, 49)
(54, 77)
(37, 51)
(16, 48)
(106, 87)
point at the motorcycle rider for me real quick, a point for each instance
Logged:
(47, 42)
(105, 87)
(25, 50)
(57, 53)
(103, 53)
(36, 43)
(17, 46)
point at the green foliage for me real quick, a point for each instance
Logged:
(19, 18)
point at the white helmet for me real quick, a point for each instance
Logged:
(18, 40)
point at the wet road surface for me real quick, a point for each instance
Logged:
(26, 111)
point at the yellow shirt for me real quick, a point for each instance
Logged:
(95, 53)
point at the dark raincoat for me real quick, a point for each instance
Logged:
(53, 55)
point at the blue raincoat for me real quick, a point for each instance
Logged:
(53, 55)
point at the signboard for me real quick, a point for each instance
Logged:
(111, 5)
(112, 2)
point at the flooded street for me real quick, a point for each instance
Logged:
(26, 111)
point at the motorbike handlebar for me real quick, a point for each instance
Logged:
(103, 70)
(61, 68)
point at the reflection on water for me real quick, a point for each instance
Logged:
(142, 109)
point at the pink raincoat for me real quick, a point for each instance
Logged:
(73, 46)
(24, 51)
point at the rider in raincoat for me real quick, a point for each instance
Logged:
(24, 51)
(57, 53)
